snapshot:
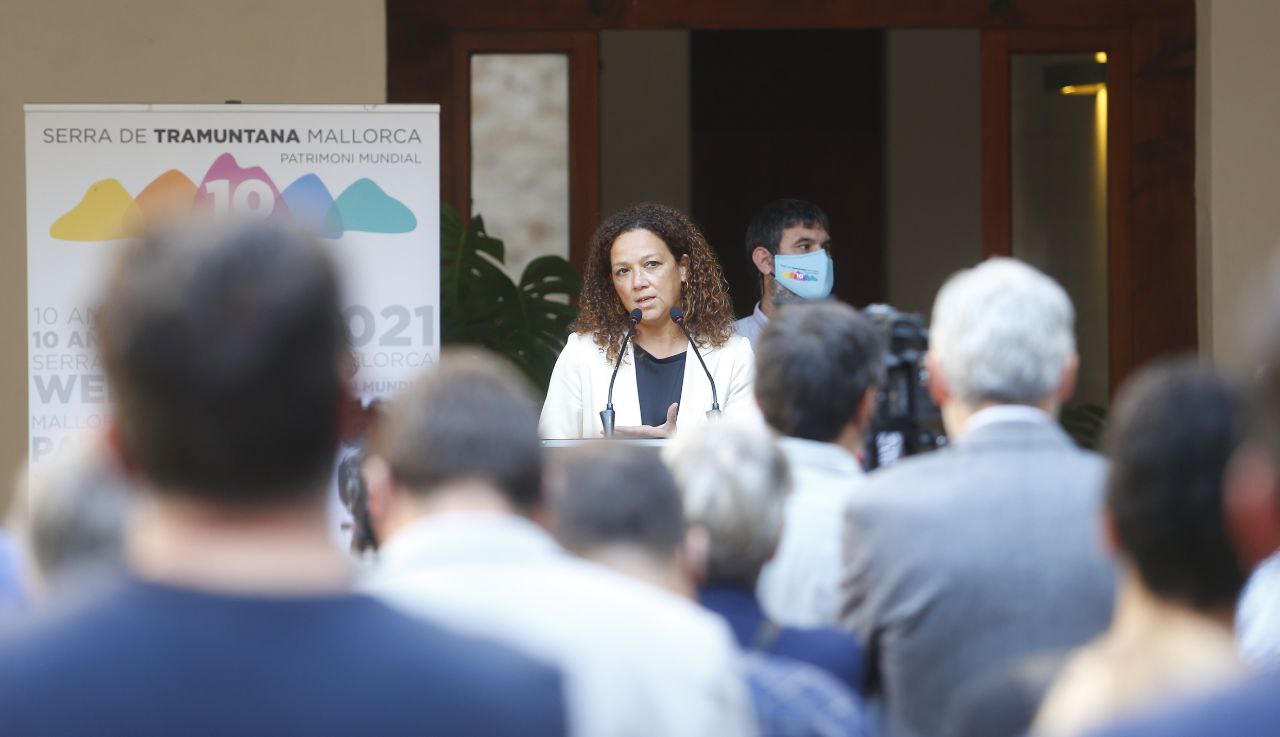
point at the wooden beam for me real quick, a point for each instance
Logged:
(780, 14)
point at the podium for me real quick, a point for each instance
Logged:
(636, 442)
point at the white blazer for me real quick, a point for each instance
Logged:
(580, 384)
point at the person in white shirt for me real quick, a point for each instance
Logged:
(818, 368)
(455, 492)
(789, 244)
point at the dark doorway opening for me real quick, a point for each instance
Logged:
(791, 114)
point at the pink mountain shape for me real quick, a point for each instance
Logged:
(226, 167)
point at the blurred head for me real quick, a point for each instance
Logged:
(652, 256)
(223, 348)
(1002, 332)
(735, 481)
(610, 497)
(818, 365)
(472, 418)
(1174, 429)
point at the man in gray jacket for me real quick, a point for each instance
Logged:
(972, 557)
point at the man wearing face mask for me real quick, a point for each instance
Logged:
(788, 241)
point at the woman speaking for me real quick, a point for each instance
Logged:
(648, 266)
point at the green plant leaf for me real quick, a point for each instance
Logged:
(481, 305)
(484, 243)
(1085, 423)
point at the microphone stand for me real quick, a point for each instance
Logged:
(607, 414)
(677, 316)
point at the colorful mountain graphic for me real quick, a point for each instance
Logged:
(310, 204)
(365, 207)
(225, 168)
(105, 213)
(108, 212)
(170, 193)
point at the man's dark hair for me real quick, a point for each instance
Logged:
(814, 363)
(221, 346)
(613, 494)
(471, 417)
(766, 226)
(1174, 429)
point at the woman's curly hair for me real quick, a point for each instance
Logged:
(704, 296)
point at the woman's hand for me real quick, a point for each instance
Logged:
(665, 430)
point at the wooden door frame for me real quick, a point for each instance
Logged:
(998, 46)
(583, 51)
(1156, 279)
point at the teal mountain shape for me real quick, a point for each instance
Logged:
(364, 207)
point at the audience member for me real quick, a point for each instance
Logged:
(221, 346)
(817, 369)
(1251, 491)
(735, 483)
(620, 506)
(454, 486)
(1173, 430)
(976, 555)
(79, 507)
(789, 246)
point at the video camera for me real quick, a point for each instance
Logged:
(906, 421)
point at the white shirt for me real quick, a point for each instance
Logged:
(638, 661)
(579, 388)
(1258, 616)
(800, 587)
(752, 325)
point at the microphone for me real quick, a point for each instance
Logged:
(607, 414)
(677, 316)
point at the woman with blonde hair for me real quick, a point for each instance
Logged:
(650, 267)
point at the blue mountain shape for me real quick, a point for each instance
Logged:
(311, 204)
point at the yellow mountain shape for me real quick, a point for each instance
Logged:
(106, 213)
(168, 196)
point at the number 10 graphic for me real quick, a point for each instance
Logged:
(251, 197)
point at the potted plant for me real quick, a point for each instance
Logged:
(481, 305)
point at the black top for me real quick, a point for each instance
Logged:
(658, 382)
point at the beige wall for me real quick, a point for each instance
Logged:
(1237, 165)
(158, 51)
(644, 119)
(933, 161)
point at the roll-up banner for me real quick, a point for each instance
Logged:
(364, 178)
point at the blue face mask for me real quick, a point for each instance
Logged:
(807, 275)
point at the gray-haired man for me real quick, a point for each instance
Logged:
(969, 558)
